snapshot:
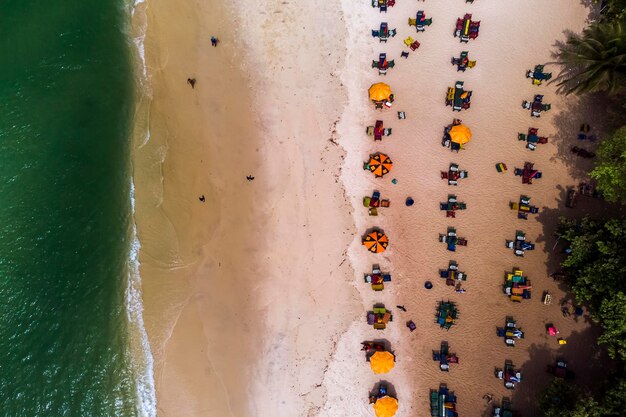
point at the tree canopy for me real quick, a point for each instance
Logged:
(595, 61)
(610, 170)
(563, 399)
(596, 268)
(613, 9)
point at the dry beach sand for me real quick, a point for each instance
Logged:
(254, 300)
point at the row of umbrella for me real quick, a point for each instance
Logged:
(377, 241)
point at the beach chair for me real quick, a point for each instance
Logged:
(414, 45)
(421, 24)
(408, 41)
(411, 325)
(404, 54)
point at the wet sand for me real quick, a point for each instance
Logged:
(254, 300)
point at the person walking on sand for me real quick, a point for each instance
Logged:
(191, 82)
(214, 41)
(402, 308)
(250, 178)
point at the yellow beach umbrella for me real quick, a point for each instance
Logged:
(382, 362)
(460, 134)
(379, 92)
(386, 406)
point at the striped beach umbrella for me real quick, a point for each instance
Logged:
(379, 164)
(376, 241)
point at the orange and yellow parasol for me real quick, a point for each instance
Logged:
(386, 406)
(376, 241)
(380, 164)
(379, 92)
(382, 362)
(460, 134)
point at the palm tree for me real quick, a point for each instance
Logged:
(594, 61)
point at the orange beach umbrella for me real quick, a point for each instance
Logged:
(379, 92)
(380, 164)
(460, 134)
(376, 241)
(382, 362)
(386, 406)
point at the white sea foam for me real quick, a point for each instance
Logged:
(139, 24)
(143, 362)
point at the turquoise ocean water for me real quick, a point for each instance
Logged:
(66, 225)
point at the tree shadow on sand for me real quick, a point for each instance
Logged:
(590, 109)
(594, 11)
(549, 218)
(589, 362)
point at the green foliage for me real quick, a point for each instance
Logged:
(595, 61)
(595, 270)
(614, 9)
(614, 399)
(561, 399)
(610, 170)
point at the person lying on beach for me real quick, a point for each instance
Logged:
(191, 82)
